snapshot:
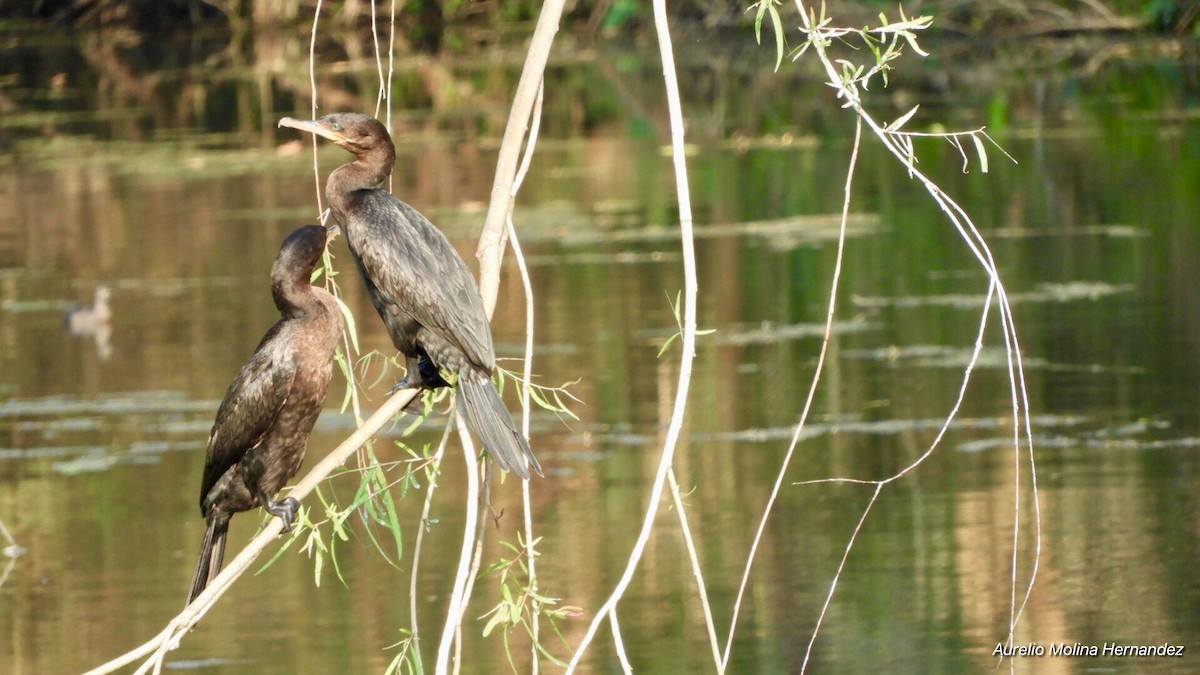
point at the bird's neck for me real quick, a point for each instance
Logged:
(296, 299)
(368, 172)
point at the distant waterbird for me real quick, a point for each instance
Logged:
(94, 322)
(85, 320)
(420, 286)
(261, 431)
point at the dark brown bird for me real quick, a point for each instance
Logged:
(261, 432)
(418, 283)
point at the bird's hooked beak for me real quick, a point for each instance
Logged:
(313, 127)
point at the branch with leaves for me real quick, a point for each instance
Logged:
(850, 79)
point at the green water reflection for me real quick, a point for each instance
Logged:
(1095, 231)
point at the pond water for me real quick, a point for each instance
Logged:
(177, 203)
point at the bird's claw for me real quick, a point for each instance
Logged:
(401, 385)
(285, 509)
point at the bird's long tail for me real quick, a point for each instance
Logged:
(490, 420)
(212, 552)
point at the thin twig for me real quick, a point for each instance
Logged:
(12, 543)
(694, 559)
(619, 642)
(808, 401)
(381, 92)
(900, 147)
(387, 122)
(527, 376)
(484, 499)
(422, 525)
(688, 329)
(837, 575)
(312, 83)
(458, 600)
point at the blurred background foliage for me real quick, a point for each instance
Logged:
(432, 25)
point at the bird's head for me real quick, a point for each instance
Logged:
(301, 251)
(299, 255)
(355, 132)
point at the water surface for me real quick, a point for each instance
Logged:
(181, 210)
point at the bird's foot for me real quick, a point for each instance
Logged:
(417, 405)
(403, 384)
(284, 509)
(422, 374)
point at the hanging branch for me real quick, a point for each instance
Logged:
(527, 375)
(608, 610)
(884, 43)
(491, 243)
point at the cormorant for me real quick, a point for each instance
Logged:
(261, 432)
(418, 283)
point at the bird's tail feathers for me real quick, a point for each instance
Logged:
(490, 420)
(212, 553)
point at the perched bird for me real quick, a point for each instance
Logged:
(261, 432)
(418, 283)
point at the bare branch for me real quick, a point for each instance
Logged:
(689, 330)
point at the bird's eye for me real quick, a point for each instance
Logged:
(337, 127)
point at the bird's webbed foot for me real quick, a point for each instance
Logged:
(284, 509)
(422, 374)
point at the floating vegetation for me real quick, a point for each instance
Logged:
(554, 349)
(1111, 231)
(198, 427)
(1086, 443)
(57, 426)
(161, 160)
(849, 424)
(200, 664)
(92, 463)
(115, 404)
(767, 332)
(957, 357)
(1073, 290)
(1051, 293)
(1141, 426)
(50, 451)
(35, 306)
(1040, 442)
(783, 233)
(173, 286)
(617, 258)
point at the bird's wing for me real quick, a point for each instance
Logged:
(249, 408)
(415, 266)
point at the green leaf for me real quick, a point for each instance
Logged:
(900, 121)
(317, 565)
(497, 618)
(339, 357)
(350, 326)
(983, 163)
(666, 344)
(779, 41)
(762, 10)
